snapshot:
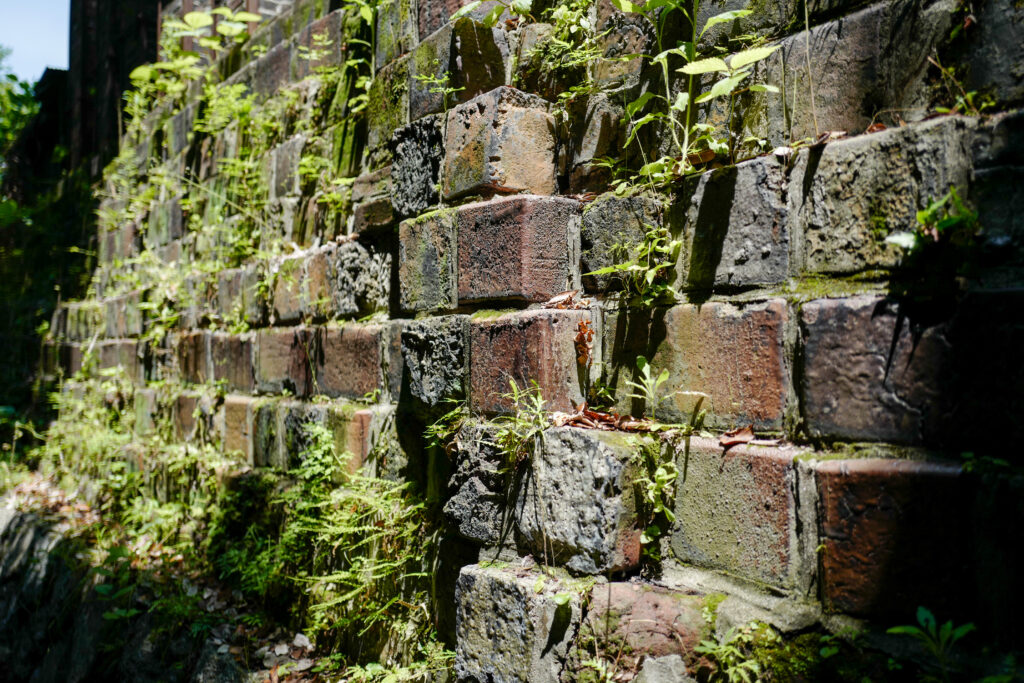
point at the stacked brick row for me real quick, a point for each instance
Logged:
(473, 208)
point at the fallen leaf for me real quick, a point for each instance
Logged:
(584, 342)
(876, 128)
(701, 157)
(736, 437)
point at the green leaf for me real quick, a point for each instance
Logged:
(562, 598)
(722, 88)
(906, 240)
(725, 17)
(491, 20)
(248, 17)
(463, 11)
(230, 28)
(704, 66)
(640, 123)
(636, 105)
(962, 631)
(366, 12)
(682, 101)
(223, 12)
(141, 73)
(522, 6)
(763, 87)
(196, 20)
(626, 6)
(741, 59)
(904, 631)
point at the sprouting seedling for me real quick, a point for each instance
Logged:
(649, 386)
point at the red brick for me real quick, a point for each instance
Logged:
(185, 406)
(428, 262)
(531, 345)
(122, 353)
(736, 511)
(281, 360)
(231, 360)
(734, 355)
(348, 360)
(518, 248)
(288, 291)
(371, 200)
(238, 426)
(194, 357)
(895, 535)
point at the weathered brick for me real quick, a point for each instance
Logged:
(229, 293)
(434, 14)
(847, 198)
(238, 426)
(847, 391)
(736, 512)
(281, 360)
(147, 410)
(359, 279)
(285, 163)
(436, 354)
(121, 353)
(193, 350)
(531, 345)
(231, 360)
(595, 132)
(184, 416)
(271, 71)
(509, 626)
(995, 52)
(735, 356)
(348, 360)
(734, 227)
(288, 290)
(416, 169)
(502, 141)
(329, 26)
(465, 56)
(517, 248)
(894, 535)
(427, 262)
(371, 200)
(609, 223)
(621, 36)
(396, 31)
(389, 102)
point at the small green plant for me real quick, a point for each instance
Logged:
(648, 389)
(441, 433)
(519, 434)
(517, 8)
(439, 84)
(944, 220)
(732, 656)
(968, 103)
(645, 274)
(938, 641)
(656, 485)
(317, 52)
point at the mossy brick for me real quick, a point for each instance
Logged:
(418, 150)
(557, 514)
(239, 426)
(178, 129)
(465, 56)
(329, 26)
(183, 415)
(525, 346)
(736, 511)
(231, 360)
(371, 201)
(396, 31)
(316, 285)
(621, 35)
(428, 262)
(864, 63)
(596, 132)
(70, 358)
(845, 199)
(734, 227)
(165, 223)
(288, 290)
(123, 354)
(266, 441)
(281, 360)
(433, 15)
(193, 351)
(359, 278)
(272, 70)
(510, 625)
(894, 536)
(146, 410)
(388, 100)
(229, 292)
(864, 377)
(436, 356)
(644, 622)
(286, 158)
(348, 360)
(523, 248)
(733, 355)
(499, 142)
(610, 226)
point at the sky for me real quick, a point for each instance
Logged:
(36, 31)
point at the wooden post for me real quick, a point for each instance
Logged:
(254, 7)
(186, 42)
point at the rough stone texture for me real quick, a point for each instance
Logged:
(238, 426)
(733, 355)
(595, 133)
(517, 248)
(371, 200)
(507, 630)
(436, 355)
(736, 511)
(502, 141)
(734, 227)
(995, 51)
(288, 291)
(272, 69)
(668, 669)
(871, 61)
(416, 170)
(193, 352)
(894, 535)
(531, 345)
(359, 279)
(231, 360)
(611, 227)
(285, 163)
(389, 102)
(434, 14)
(396, 31)
(476, 505)
(847, 393)
(427, 262)
(997, 194)
(576, 504)
(465, 56)
(621, 34)
(280, 360)
(347, 360)
(847, 198)
(644, 622)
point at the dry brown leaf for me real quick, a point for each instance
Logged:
(736, 437)
(876, 128)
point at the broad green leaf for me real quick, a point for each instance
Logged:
(491, 20)
(366, 12)
(562, 598)
(197, 19)
(210, 43)
(682, 101)
(720, 89)
(230, 28)
(704, 66)
(465, 10)
(638, 104)
(640, 123)
(741, 59)
(906, 240)
(725, 17)
(222, 11)
(141, 73)
(522, 6)
(626, 6)
(247, 17)
(763, 87)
